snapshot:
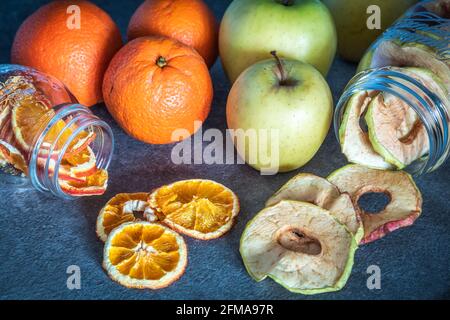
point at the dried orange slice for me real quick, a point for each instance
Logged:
(119, 210)
(73, 168)
(80, 143)
(92, 185)
(202, 209)
(80, 164)
(10, 156)
(29, 118)
(144, 255)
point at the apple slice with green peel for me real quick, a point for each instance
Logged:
(355, 143)
(395, 133)
(310, 188)
(405, 204)
(395, 130)
(299, 245)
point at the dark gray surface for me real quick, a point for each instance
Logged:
(40, 236)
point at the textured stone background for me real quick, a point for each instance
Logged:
(40, 236)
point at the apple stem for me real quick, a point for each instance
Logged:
(283, 75)
(286, 2)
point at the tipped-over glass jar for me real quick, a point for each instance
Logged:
(395, 114)
(60, 145)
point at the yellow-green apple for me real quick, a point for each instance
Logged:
(299, 29)
(352, 16)
(279, 111)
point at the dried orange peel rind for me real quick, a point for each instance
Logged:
(9, 155)
(202, 209)
(119, 210)
(144, 255)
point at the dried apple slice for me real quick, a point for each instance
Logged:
(405, 204)
(119, 210)
(355, 143)
(300, 246)
(320, 192)
(386, 117)
(395, 130)
(410, 54)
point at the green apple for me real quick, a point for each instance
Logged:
(282, 110)
(297, 29)
(351, 16)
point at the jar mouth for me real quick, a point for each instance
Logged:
(430, 108)
(47, 156)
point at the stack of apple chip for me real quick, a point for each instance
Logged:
(306, 237)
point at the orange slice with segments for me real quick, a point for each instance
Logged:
(92, 185)
(120, 209)
(144, 255)
(202, 209)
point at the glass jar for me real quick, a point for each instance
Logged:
(431, 107)
(420, 38)
(394, 114)
(45, 135)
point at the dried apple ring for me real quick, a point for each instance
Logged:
(405, 204)
(320, 192)
(299, 245)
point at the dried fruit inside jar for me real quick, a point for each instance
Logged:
(419, 39)
(46, 136)
(388, 121)
(385, 117)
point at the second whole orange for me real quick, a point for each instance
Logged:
(155, 86)
(188, 21)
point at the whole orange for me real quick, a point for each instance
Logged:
(188, 21)
(71, 40)
(156, 85)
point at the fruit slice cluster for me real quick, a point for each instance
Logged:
(23, 114)
(306, 237)
(202, 209)
(395, 136)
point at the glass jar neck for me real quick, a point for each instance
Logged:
(432, 109)
(48, 151)
(423, 27)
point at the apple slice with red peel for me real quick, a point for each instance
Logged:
(319, 191)
(405, 204)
